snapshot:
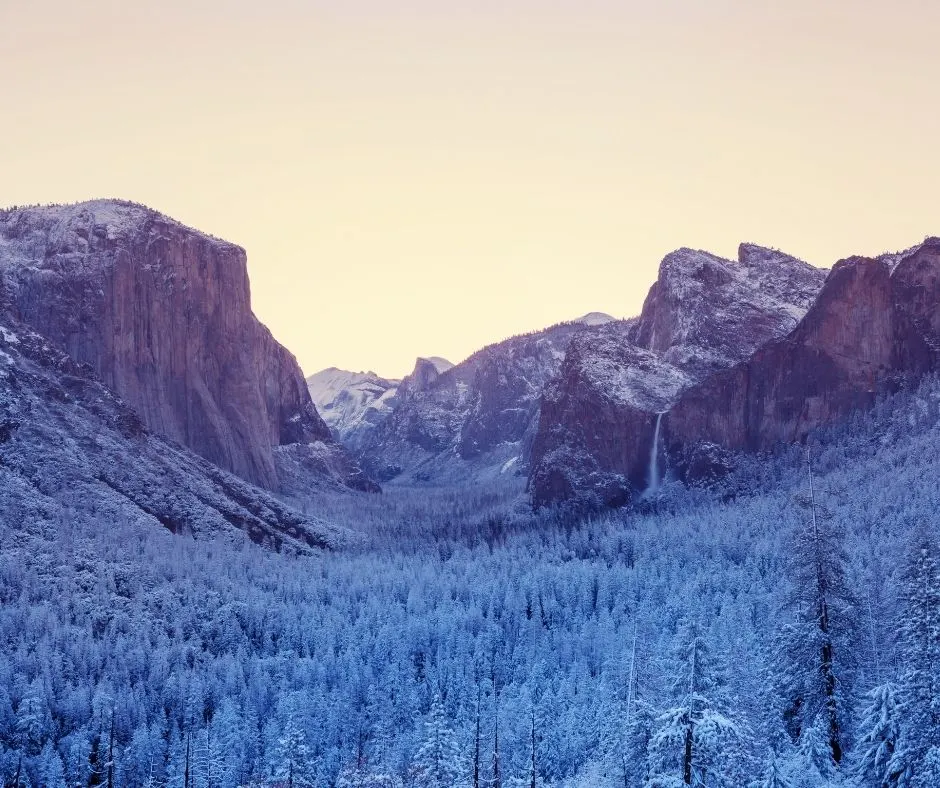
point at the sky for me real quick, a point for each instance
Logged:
(425, 177)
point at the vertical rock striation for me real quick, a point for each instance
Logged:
(162, 313)
(875, 324)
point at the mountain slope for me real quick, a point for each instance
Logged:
(473, 418)
(704, 313)
(70, 451)
(162, 313)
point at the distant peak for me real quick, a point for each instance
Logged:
(439, 363)
(594, 319)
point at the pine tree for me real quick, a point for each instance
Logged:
(636, 728)
(229, 751)
(533, 772)
(32, 720)
(51, 773)
(437, 762)
(916, 760)
(293, 756)
(816, 672)
(879, 737)
(815, 750)
(355, 777)
(477, 737)
(692, 737)
(773, 776)
(635, 755)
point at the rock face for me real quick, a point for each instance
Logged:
(70, 448)
(704, 314)
(472, 419)
(875, 324)
(162, 314)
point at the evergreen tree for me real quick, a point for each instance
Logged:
(293, 760)
(694, 738)
(916, 760)
(773, 776)
(50, 770)
(879, 737)
(32, 720)
(354, 776)
(816, 670)
(815, 750)
(437, 763)
(635, 754)
(230, 751)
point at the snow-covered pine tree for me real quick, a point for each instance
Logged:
(353, 776)
(773, 776)
(32, 720)
(916, 760)
(815, 752)
(230, 749)
(634, 729)
(293, 761)
(437, 763)
(50, 771)
(879, 737)
(693, 738)
(815, 674)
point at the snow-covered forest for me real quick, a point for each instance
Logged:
(781, 629)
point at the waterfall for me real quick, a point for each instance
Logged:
(653, 483)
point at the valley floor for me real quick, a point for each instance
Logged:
(467, 637)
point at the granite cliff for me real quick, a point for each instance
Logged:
(162, 314)
(72, 451)
(874, 326)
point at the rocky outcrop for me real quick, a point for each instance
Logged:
(875, 324)
(425, 374)
(704, 314)
(162, 314)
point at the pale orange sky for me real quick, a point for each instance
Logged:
(422, 178)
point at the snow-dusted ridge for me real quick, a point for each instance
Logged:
(352, 402)
(114, 218)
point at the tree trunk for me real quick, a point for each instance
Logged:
(111, 753)
(476, 751)
(532, 783)
(687, 755)
(189, 741)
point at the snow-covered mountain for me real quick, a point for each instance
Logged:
(351, 403)
(874, 327)
(594, 319)
(703, 314)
